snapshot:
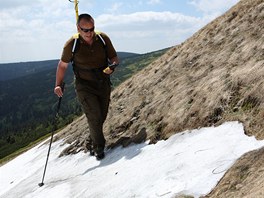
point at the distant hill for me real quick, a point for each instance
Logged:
(123, 55)
(10, 71)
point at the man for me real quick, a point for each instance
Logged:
(90, 61)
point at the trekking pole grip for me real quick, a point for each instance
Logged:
(59, 104)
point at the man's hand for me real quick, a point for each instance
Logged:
(59, 85)
(58, 91)
(111, 68)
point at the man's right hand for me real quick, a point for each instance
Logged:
(58, 91)
(59, 84)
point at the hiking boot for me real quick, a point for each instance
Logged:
(99, 153)
(100, 156)
(91, 152)
(90, 149)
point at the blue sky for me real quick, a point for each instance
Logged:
(37, 29)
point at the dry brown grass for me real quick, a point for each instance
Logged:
(217, 75)
(243, 179)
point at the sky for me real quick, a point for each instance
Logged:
(35, 30)
(190, 163)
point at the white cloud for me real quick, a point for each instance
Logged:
(153, 30)
(212, 6)
(31, 33)
(137, 18)
(11, 4)
(46, 24)
(152, 2)
(115, 7)
(148, 31)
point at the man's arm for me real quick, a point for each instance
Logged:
(114, 60)
(61, 69)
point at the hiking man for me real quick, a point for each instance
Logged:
(90, 57)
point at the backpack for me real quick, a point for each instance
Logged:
(74, 49)
(76, 42)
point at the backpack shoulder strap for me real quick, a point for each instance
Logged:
(101, 38)
(76, 38)
(104, 44)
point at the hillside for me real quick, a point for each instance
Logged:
(9, 71)
(28, 104)
(213, 77)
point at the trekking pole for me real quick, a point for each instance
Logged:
(52, 133)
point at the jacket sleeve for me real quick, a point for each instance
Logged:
(66, 55)
(111, 52)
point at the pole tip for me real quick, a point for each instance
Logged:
(41, 184)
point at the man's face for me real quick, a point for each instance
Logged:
(86, 30)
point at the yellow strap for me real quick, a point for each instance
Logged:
(75, 36)
(76, 9)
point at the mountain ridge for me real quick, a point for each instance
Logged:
(9, 71)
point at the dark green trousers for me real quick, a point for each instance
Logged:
(94, 97)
